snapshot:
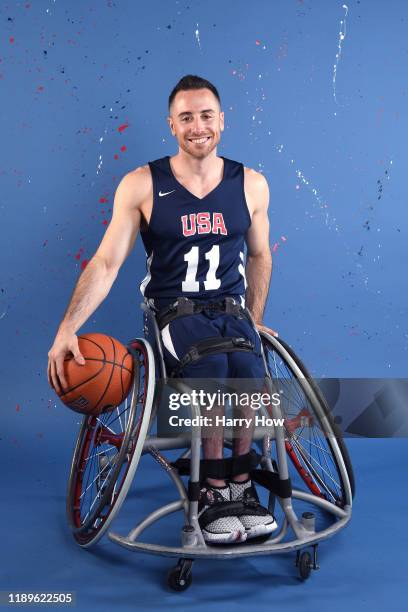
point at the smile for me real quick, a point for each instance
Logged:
(199, 140)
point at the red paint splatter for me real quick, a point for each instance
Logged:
(105, 222)
(116, 156)
(11, 39)
(123, 148)
(123, 127)
(103, 200)
(78, 256)
(257, 42)
(275, 247)
(18, 408)
(84, 264)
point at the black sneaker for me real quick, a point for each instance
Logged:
(218, 524)
(256, 519)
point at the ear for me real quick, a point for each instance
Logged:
(171, 125)
(222, 121)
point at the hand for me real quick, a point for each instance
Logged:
(64, 343)
(260, 327)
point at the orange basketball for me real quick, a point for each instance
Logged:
(104, 381)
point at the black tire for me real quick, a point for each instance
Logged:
(176, 582)
(305, 565)
(280, 357)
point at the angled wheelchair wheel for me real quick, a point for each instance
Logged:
(107, 453)
(313, 441)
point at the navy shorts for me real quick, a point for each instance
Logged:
(178, 335)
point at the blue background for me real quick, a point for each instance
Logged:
(84, 88)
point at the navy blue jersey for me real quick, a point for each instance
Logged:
(195, 246)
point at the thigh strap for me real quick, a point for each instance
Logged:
(211, 346)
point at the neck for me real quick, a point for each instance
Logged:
(202, 169)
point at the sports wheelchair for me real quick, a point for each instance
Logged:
(110, 446)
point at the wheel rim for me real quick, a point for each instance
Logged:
(308, 435)
(95, 486)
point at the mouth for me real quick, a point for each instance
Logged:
(199, 140)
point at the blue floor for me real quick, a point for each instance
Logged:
(364, 566)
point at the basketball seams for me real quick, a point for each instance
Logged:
(111, 374)
(83, 382)
(105, 361)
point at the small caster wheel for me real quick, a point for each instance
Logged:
(179, 580)
(305, 565)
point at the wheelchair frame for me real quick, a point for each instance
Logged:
(193, 546)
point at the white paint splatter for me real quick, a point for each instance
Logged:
(3, 315)
(330, 221)
(197, 35)
(342, 36)
(100, 162)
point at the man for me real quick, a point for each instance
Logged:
(195, 212)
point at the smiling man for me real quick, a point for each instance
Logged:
(196, 211)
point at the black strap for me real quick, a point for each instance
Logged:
(272, 482)
(185, 306)
(193, 490)
(220, 468)
(208, 346)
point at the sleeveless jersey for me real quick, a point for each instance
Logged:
(195, 246)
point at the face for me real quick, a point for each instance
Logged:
(196, 121)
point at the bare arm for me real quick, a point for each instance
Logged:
(99, 275)
(258, 268)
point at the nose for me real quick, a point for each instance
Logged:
(198, 126)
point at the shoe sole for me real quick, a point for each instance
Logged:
(260, 530)
(224, 538)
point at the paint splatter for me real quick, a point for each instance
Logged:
(197, 35)
(323, 206)
(342, 36)
(123, 127)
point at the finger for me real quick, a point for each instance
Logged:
(60, 373)
(55, 382)
(79, 358)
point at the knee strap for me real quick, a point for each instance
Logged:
(211, 346)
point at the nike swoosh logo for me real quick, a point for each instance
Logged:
(165, 193)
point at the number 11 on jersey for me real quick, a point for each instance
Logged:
(211, 281)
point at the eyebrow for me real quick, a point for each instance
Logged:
(208, 110)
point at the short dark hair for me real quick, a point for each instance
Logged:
(192, 81)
